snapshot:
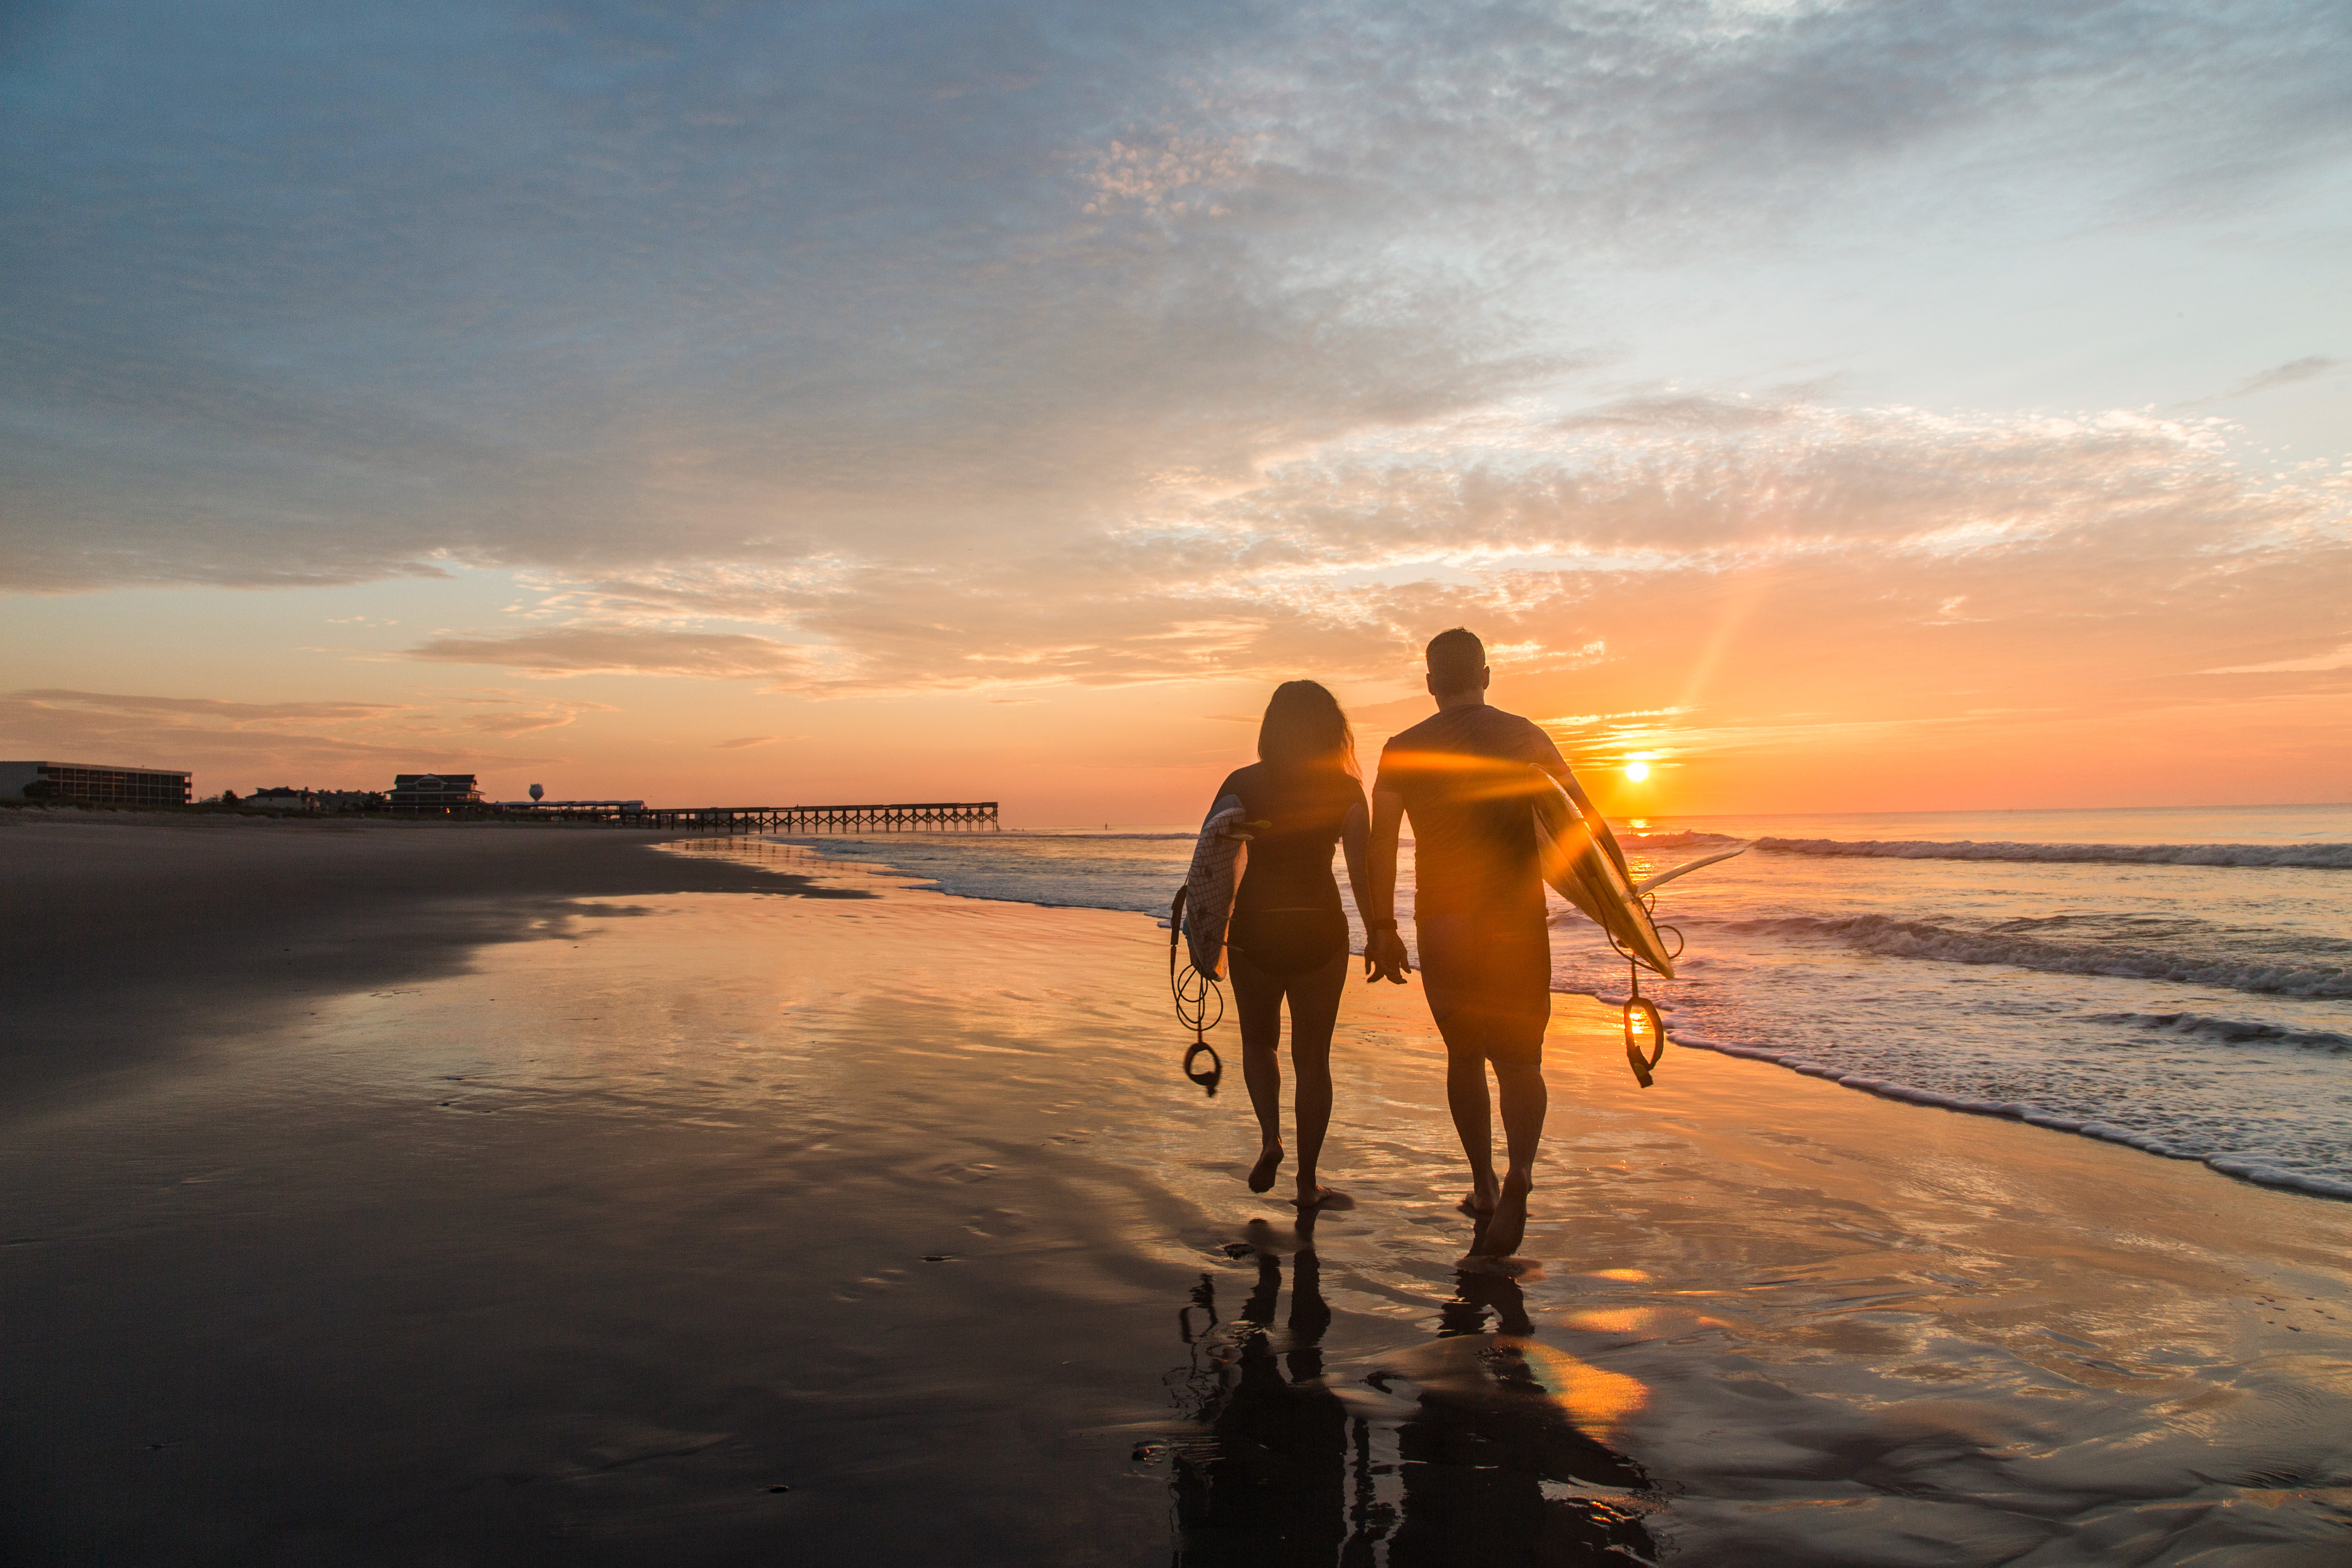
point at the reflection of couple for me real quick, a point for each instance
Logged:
(1487, 1465)
(1478, 913)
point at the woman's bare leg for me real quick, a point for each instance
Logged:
(1314, 1010)
(1257, 1007)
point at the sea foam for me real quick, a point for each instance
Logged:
(2306, 857)
(2260, 1171)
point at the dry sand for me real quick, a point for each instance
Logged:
(569, 1249)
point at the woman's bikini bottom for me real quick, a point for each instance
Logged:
(1284, 943)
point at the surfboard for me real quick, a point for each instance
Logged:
(1577, 861)
(1205, 906)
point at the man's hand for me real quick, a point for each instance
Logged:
(1384, 956)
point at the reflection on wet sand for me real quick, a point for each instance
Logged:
(1462, 1451)
(576, 1256)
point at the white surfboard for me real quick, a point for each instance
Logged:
(1577, 861)
(1205, 907)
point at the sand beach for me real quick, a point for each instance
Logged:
(383, 1194)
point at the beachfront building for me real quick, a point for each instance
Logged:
(434, 792)
(315, 802)
(89, 783)
(347, 800)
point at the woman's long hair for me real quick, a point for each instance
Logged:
(1304, 728)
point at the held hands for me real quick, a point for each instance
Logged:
(1384, 956)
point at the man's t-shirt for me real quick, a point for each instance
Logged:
(1463, 773)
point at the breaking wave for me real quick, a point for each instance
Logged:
(2228, 1031)
(1639, 842)
(2308, 857)
(1922, 939)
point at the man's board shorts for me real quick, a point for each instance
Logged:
(1488, 981)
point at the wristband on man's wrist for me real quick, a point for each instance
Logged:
(1380, 925)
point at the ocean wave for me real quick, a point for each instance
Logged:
(2228, 1031)
(1646, 841)
(2305, 857)
(1921, 939)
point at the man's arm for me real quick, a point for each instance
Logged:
(1385, 954)
(1355, 840)
(1600, 829)
(1552, 762)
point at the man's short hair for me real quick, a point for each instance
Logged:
(1457, 658)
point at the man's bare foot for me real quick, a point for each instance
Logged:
(1509, 1226)
(1269, 1160)
(1321, 1198)
(1479, 1201)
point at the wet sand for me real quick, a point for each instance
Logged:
(573, 1248)
(132, 935)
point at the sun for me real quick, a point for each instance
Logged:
(1637, 771)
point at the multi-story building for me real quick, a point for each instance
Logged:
(434, 792)
(91, 785)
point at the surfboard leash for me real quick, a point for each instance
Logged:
(1194, 994)
(1651, 1024)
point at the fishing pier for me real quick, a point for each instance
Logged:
(899, 817)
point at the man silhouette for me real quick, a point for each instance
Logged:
(1479, 912)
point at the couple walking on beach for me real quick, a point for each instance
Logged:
(1478, 911)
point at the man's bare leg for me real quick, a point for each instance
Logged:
(1465, 1096)
(1525, 1100)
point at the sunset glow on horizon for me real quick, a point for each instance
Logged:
(1815, 407)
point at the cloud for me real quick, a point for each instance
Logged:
(2285, 375)
(1163, 344)
(741, 742)
(618, 650)
(327, 744)
(544, 716)
(1338, 565)
(181, 709)
(316, 307)
(2340, 659)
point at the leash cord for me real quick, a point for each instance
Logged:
(1643, 1021)
(1195, 994)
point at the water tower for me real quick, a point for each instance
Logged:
(538, 794)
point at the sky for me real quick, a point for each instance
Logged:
(1875, 406)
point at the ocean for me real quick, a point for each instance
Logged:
(2176, 979)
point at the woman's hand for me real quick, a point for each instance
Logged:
(1384, 956)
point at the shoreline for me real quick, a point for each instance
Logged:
(2230, 1165)
(37, 817)
(2235, 1166)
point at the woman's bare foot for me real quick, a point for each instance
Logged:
(1509, 1226)
(1269, 1160)
(1314, 1196)
(1479, 1202)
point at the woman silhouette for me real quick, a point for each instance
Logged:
(1289, 939)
